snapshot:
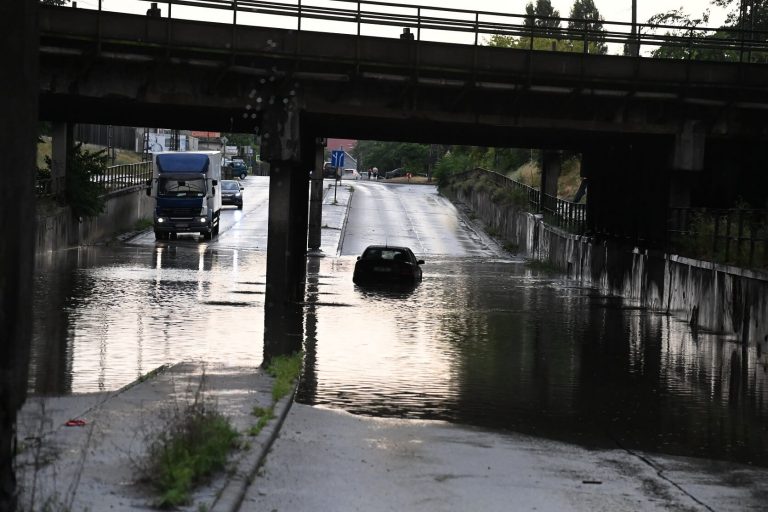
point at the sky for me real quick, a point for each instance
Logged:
(611, 10)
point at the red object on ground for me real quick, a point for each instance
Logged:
(75, 423)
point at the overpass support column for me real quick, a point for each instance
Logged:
(550, 173)
(62, 142)
(18, 120)
(316, 197)
(688, 162)
(286, 230)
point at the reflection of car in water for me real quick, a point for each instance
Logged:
(231, 193)
(386, 264)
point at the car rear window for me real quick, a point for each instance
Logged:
(385, 254)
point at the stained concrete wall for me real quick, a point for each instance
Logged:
(59, 229)
(711, 297)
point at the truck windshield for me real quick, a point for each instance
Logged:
(171, 187)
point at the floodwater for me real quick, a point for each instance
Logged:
(483, 340)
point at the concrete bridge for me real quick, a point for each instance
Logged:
(654, 133)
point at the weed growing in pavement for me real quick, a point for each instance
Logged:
(285, 370)
(143, 224)
(193, 444)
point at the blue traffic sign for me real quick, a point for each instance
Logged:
(337, 158)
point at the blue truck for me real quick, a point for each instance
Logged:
(187, 192)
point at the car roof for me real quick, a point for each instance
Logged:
(390, 247)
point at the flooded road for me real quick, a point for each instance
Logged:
(484, 340)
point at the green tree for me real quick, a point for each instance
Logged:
(240, 139)
(754, 16)
(542, 14)
(81, 192)
(585, 17)
(391, 155)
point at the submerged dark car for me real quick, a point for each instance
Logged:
(387, 264)
(231, 193)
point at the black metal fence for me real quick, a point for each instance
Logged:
(564, 214)
(431, 23)
(730, 236)
(114, 179)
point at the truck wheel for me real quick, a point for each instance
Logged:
(243, 175)
(207, 235)
(159, 235)
(240, 206)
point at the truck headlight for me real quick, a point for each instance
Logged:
(203, 219)
(238, 194)
(160, 220)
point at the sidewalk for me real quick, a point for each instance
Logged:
(92, 464)
(335, 207)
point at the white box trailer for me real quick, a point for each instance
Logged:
(187, 190)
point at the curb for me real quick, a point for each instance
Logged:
(231, 496)
(344, 224)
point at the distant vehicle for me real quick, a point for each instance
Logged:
(234, 168)
(329, 171)
(396, 173)
(386, 264)
(231, 193)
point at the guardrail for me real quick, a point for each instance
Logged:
(736, 236)
(429, 23)
(115, 179)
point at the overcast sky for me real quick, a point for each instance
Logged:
(611, 10)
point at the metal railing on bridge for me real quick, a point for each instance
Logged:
(430, 23)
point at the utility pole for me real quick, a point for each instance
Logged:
(635, 47)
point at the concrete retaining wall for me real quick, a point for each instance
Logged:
(712, 297)
(59, 229)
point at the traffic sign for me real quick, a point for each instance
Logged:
(337, 158)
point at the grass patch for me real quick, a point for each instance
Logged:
(285, 370)
(143, 224)
(194, 444)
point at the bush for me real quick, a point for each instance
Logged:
(194, 444)
(81, 193)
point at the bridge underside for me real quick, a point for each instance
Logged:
(654, 133)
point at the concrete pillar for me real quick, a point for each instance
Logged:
(282, 282)
(62, 142)
(286, 241)
(316, 197)
(18, 149)
(550, 173)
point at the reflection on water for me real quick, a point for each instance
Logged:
(488, 343)
(493, 344)
(105, 316)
